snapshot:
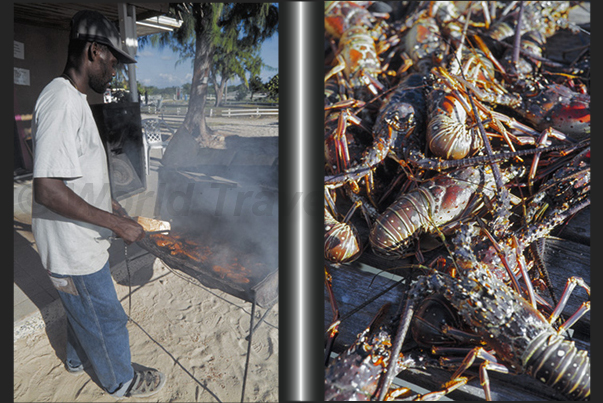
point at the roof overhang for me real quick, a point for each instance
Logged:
(153, 25)
(151, 18)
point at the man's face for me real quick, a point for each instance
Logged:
(104, 69)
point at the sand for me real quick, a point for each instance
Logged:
(195, 335)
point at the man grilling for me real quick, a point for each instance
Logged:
(72, 213)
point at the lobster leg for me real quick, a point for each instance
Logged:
(334, 327)
(329, 201)
(338, 68)
(584, 308)
(421, 289)
(386, 381)
(369, 212)
(536, 249)
(341, 146)
(345, 104)
(571, 283)
(521, 263)
(535, 161)
(527, 133)
(406, 64)
(531, 296)
(373, 85)
(488, 364)
(446, 389)
(485, 379)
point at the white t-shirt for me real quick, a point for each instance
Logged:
(67, 145)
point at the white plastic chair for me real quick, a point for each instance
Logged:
(153, 138)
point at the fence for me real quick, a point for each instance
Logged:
(181, 111)
(249, 112)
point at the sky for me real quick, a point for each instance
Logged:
(157, 67)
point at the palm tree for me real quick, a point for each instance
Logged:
(229, 26)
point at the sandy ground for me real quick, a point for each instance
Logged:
(195, 335)
(264, 126)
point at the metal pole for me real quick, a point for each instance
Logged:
(248, 349)
(127, 27)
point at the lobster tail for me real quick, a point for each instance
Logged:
(558, 363)
(393, 232)
(437, 202)
(342, 242)
(447, 134)
(448, 138)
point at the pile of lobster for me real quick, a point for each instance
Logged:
(448, 124)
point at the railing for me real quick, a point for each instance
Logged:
(151, 109)
(181, 111)
(249, 112)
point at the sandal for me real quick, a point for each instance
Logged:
(145, 383)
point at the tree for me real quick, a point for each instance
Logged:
(255, 85)
(272, 87)
(242, 92)
(186, 88)
(239, 61)
(205, 26)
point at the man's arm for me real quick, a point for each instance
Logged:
(56, 196)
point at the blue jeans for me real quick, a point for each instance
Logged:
(96, 327)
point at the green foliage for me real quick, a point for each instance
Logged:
(237, 31)
(234, 32)
(272, 88)
(256, 85)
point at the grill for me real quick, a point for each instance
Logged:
(222, 205)
(219, 261)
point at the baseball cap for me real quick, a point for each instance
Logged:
(92, 26)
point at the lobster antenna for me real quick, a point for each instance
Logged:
(517, 41)
(482, 130)
(501, 190)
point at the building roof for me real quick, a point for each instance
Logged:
(150, 17)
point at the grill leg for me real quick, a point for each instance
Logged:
(259, 322)
(248, 350)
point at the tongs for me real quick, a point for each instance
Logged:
(113, 237)
(163, 231)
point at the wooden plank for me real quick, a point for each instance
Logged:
(564, 259)
(502, 386)
(578, 228)
(353, 284)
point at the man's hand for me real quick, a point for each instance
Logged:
(129, 230)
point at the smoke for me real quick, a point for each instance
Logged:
(227, 199)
